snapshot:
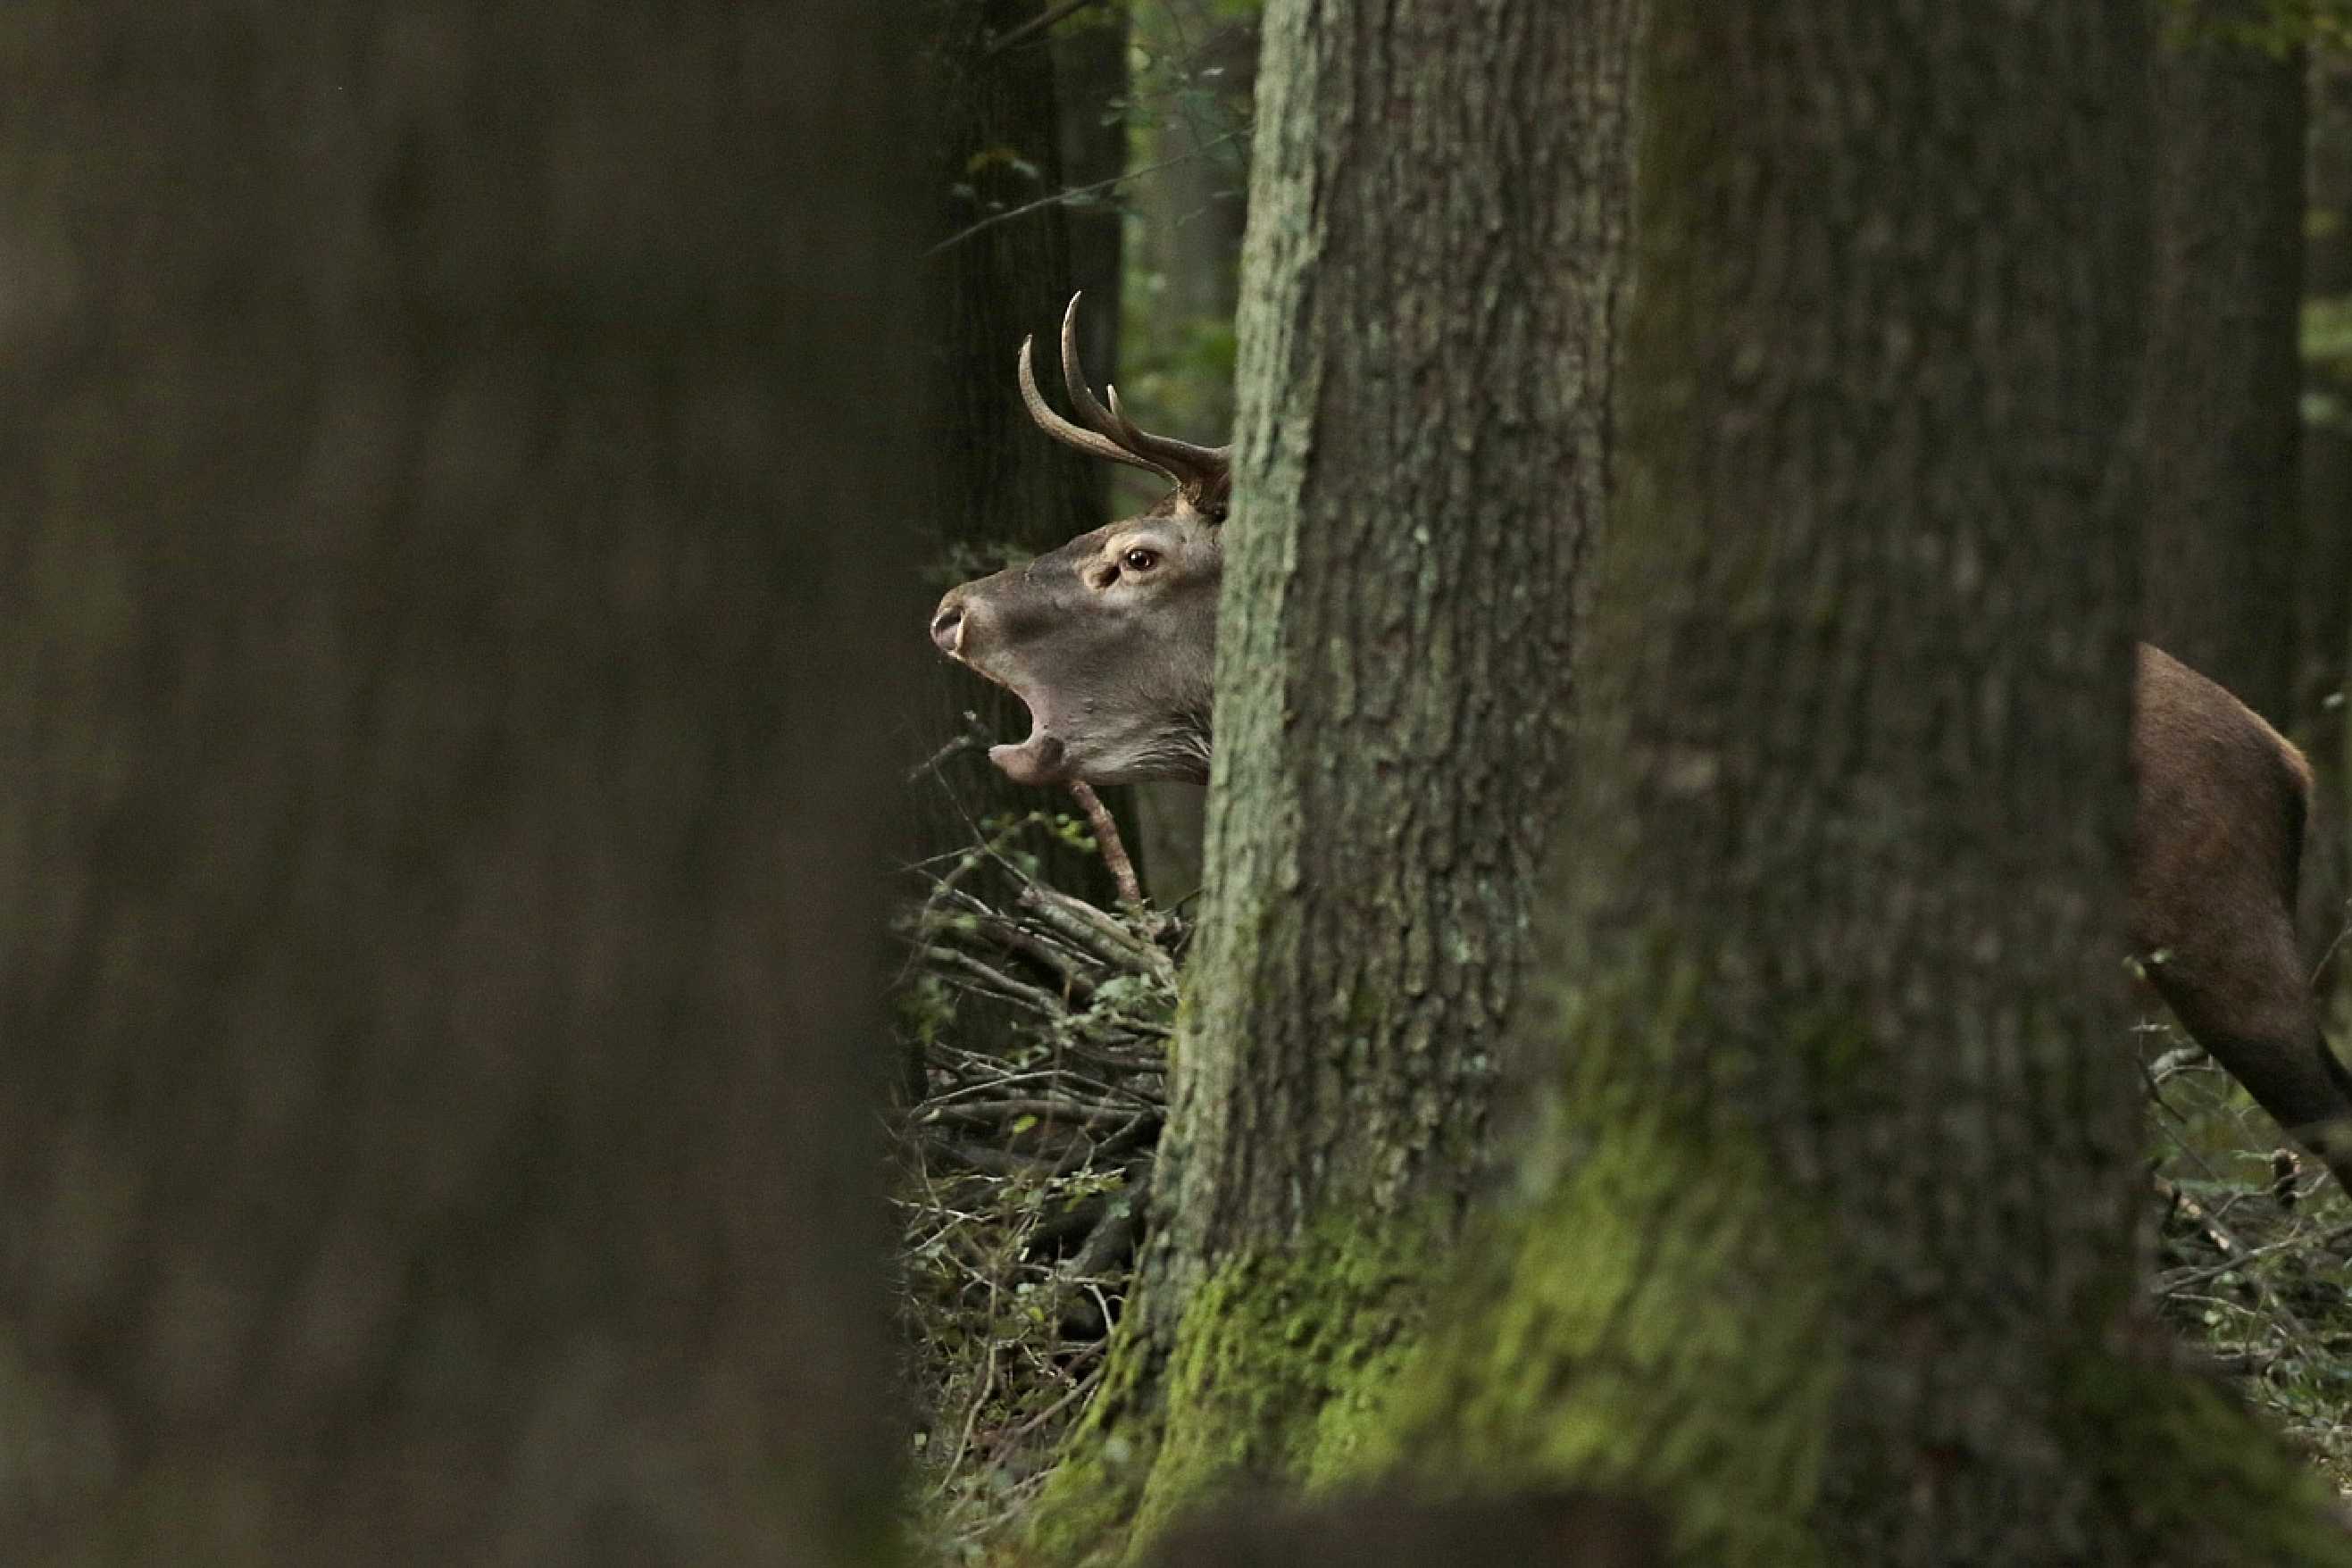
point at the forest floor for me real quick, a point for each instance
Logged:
(1035, 1028)
(2251, 1252)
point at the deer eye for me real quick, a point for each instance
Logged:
(1140, 560)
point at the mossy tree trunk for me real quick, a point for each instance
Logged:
(437, 991)
(1825, 1238)
(1002, 490)
(1430, 298)
(2221, 420)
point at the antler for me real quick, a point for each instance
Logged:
(1201, 472)
(1069, 434)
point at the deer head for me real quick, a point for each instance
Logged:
(1110, 640)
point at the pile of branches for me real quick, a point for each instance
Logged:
(1036, 1026)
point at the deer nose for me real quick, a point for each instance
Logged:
(946, 623)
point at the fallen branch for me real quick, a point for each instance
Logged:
(1106, 840)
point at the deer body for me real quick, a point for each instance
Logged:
(1110, 641)
(2221, 799)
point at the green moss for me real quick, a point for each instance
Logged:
(1284, 1361)
(1658, 1324)
(1085, 1514)
(1278, 1372)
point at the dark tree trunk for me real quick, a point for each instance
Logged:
(2324, 617)
(437, 1001)
(2220, 419)
(1826, 1234)
(1004, 490)
(1432, 297)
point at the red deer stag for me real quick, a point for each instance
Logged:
(1109, 640)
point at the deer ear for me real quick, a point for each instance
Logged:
(1211, 496)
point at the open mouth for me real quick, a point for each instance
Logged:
(1042, 758)
(1039, 760)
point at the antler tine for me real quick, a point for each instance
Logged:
(1073, 376)
(1069, 434)
(1198, 463)
(1198, 471)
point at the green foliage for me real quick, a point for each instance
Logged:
(1181, 369)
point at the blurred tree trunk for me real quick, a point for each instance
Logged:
(1825, 1238)
(1090, 71)
(2224, 381)
(1204, 57)
(1392, 688)
(438, 1000)
(1004, 490)
(2323, 616)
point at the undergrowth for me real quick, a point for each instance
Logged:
(1036, 1027)
(2251, 1245)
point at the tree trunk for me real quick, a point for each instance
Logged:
(2324, 617)
(1825, 1239)
(2221, 420)
(1204, 59)
(1004, 490)
(1431, 300)
(437, 997)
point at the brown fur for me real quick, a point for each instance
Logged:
(2217, 843)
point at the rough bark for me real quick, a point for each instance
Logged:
(1002, 490)
(2324, 580)
(1825, 1238)
(1431, 291)
(2221, 420)
(437, 994)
